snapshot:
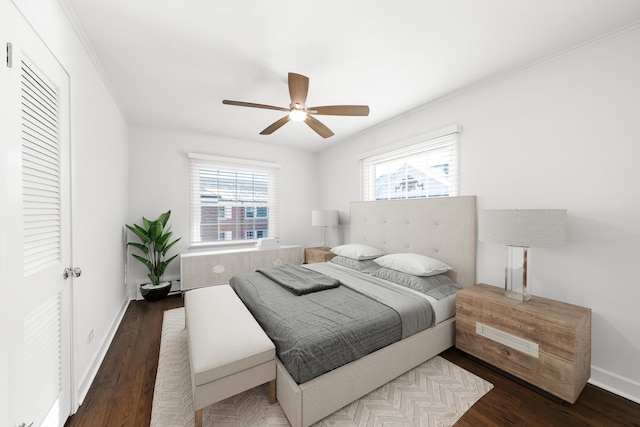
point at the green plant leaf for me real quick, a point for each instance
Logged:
(166, 249)
(162, 242)
(140, 232)
(140, 246)
(170, 259)
(162, 219)
(143, 260)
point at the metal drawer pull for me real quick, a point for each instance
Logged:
(505, 338)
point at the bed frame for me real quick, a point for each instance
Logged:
(442, 228)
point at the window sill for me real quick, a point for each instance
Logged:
(230, 244)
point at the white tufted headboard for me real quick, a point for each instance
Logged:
(443, 228)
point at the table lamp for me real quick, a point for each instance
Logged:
(521, 229)
(324, 219)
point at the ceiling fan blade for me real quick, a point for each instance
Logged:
(318, 127)
(251, 104)
(275, 125)
(341, 110)
(298, 88)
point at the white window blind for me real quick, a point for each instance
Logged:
(428, 168)
(232, 199)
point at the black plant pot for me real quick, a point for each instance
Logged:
(155, 293)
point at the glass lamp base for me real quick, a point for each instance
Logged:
(518, 296)
(516, 279)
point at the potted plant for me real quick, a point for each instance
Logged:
(155, 242)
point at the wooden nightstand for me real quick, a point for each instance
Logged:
(312, 255)
(543, 342)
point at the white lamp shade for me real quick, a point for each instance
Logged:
(324, 218)
(524, 227)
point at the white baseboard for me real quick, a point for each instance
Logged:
(616, 384)
(91, 373)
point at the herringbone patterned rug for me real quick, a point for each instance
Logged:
(436, 393)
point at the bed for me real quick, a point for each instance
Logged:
(443, 229)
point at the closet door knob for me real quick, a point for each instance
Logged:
(71, 272)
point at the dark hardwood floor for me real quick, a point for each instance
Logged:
(513, 404)
(122, 393)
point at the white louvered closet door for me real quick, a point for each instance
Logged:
(36, 384)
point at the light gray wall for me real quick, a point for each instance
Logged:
(563, 134)
(151, 193)
(99, 156)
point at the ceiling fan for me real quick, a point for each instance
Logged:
(298, 111)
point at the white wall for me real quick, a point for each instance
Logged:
(151, 193)
(563, 134)
(99, 151)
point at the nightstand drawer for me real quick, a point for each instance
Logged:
(544, 342)
(312, 255)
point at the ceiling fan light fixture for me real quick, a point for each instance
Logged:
(297, 115)
(297, 111)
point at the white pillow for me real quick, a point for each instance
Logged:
(418, 265)
(357, 251)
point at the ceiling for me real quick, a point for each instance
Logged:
(170, 63)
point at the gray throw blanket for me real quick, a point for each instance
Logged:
(299, 280)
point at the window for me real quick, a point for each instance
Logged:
(256, 212)
(225, 212)
(428, 168)
(255, 234)
(232, 199)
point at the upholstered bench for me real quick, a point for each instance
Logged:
(228, 351)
